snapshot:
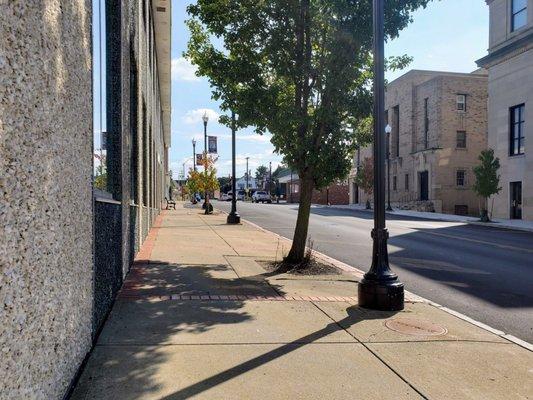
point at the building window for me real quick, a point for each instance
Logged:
(518, 14)
(397, 131)
(517, 137)
(461, 178)
(461, 140)
(461, 102)
(406, 181)
(394, 183)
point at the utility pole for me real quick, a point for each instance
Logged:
(233, 217)
(247, 174)
(194, 154)
(380, 288)
(270, 179)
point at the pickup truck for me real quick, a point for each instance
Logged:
(261, 196)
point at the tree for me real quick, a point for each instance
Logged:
(487, 179)
(100, 177)
(225, 184)
(299, 69)
(204, 180)
(261, 174)
(365, 178)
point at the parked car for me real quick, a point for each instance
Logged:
(261, 196)
(241, 194)
(226, 196)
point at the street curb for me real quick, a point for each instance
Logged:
(410, 297)
(496, 225)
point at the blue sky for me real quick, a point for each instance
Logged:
(449, 35)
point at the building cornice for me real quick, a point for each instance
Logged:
(504, 53)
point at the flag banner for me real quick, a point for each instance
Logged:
(212, 144)
(199, 159)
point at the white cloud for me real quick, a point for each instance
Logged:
(195, 116)
(247, 137)
(183, 70)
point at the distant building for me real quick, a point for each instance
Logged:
(439, 128)
(243, 183)
(510, 66)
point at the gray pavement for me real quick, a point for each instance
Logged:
(485, 273)
(210, 323)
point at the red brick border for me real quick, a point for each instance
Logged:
(131, 296)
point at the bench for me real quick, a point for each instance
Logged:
(170, 204)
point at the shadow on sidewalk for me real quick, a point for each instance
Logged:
(355, 315)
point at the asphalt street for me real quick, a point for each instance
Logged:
(485, 273)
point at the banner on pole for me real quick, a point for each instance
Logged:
(212, 144)
(199, 159)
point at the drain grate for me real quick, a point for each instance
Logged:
(415, 327)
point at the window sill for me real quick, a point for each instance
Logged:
(523, 155)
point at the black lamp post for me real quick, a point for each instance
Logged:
(388, 131)
(233, 217)
(194, 154)
(205, 119)
(380, 288)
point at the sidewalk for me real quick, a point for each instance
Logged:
(198, 317)
(514, 224)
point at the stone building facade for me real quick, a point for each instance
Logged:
(510, 67)
(65, 247)
(439, 128)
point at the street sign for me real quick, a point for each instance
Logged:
(212, 140)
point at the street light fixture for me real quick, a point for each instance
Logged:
(388, 130)
(194, 154)
(233, 217)
(205, 119)
(380, 288)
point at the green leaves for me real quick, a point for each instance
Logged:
(487, 178)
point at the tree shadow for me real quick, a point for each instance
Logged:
(355, 315)
(144, 321)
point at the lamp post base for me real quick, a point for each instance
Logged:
(233, 218)
(381, 295)
(389, 208)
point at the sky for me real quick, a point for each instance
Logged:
(449, 35)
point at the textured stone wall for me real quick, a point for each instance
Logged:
(45, 195)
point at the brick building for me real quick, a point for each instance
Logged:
(510, 66)
(65, 246)
(439, 128)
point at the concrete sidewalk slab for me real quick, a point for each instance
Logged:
(369, 326)
(318, 286)
(251, 372)
(202, 346)
(219, 322)
(462, 370)
(159, 279)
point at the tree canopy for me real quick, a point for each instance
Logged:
(299, 69)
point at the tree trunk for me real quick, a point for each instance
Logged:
(297, 252)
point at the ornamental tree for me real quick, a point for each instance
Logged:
(204, 181)
(299, 69)
(487, 179)
(365, 178)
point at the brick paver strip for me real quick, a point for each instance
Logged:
(139, 296)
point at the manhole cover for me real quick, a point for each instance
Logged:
(415, 327)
